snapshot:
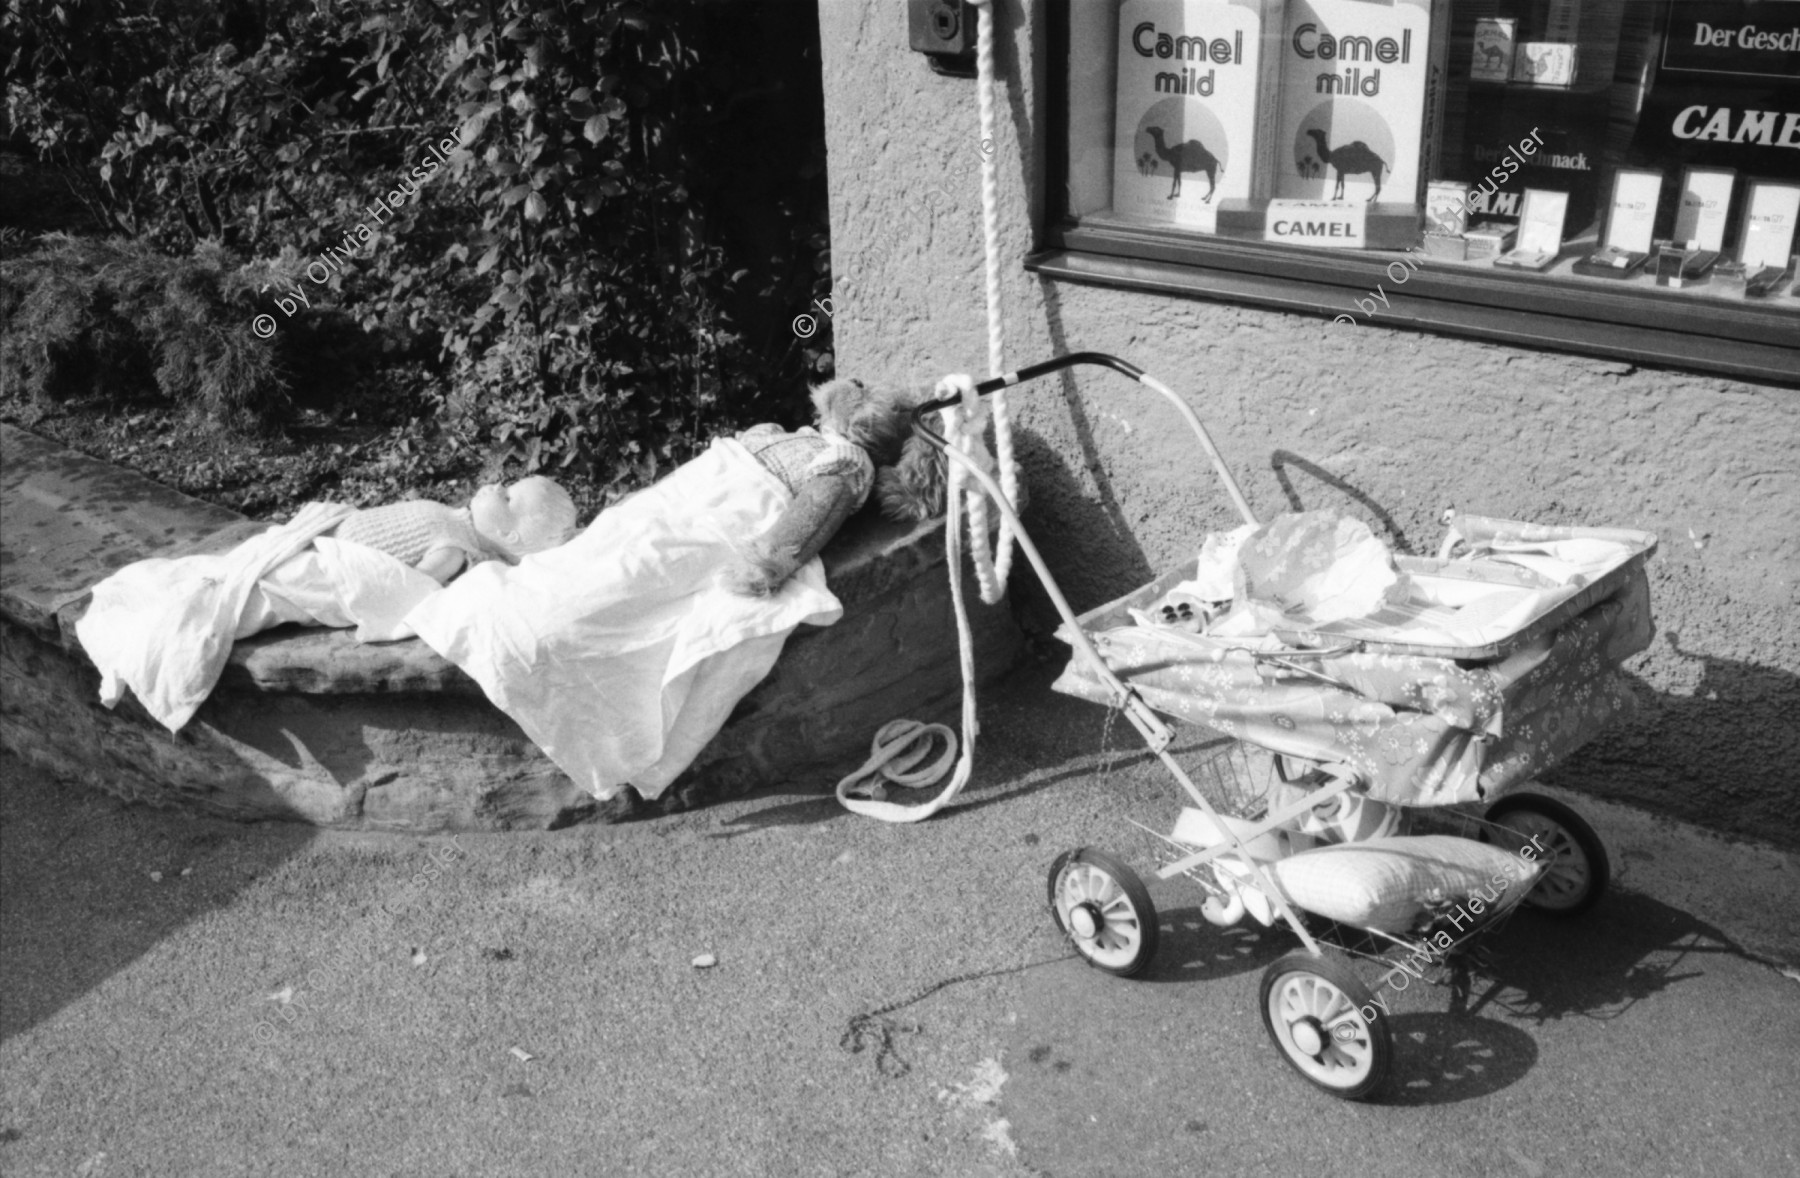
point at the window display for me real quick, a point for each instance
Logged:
(1699, 235)
(1541, 223)
(1194, 101)
(1650, 147)
(1630, 219)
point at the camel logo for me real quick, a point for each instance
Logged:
(1182, 140)
(1191, 156)
(1492, 61)
(1351, 159)
(1343, 140)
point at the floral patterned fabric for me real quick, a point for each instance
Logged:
(1424, 731)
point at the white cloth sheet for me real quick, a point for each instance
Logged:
(164, 627)
(620, 653)
(341, 584)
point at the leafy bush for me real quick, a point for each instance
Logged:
(117, 317)
(604, 276)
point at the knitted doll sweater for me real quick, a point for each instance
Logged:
(408, 531)
(794, 457)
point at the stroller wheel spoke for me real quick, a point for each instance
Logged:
(1348, 1053)
(1102, 907)
(1576, 867)
(1313, 1009)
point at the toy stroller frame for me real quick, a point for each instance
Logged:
(1317, 1011)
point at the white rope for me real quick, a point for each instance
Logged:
(898, 747)
(964, 428)
(965, 644)
(991, 571)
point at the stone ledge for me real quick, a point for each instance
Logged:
(868, 558)
(311, 725)
(70, 520)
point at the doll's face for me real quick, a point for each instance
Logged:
(530, 516)
(493, 514)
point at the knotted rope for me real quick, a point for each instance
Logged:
(956, 425)
(964, 427)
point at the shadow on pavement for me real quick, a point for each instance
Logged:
(1139, 1056)
(1192, 950)
(1627, 949)
(1446, 1058)
(78, 902)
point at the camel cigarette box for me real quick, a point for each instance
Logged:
(1545, 63)
(1362, 94)
(1446, 206)
(1196, 108)
(1493, 50)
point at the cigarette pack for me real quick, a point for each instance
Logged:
(1489, 239)
(1196, 108)
(1494, 40)
(1362, 92)
(1545, 63)
(1446, 206)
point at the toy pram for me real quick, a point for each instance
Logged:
(1501, 659)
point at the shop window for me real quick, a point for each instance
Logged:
(1620, 177)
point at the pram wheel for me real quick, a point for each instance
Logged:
(1104, 910)
(1578, 870)
(1316, 1010)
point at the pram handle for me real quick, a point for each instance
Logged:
(1006, 380)
(994, 384)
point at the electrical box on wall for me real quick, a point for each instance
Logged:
(945, 31)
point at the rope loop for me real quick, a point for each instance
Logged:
(898, 747)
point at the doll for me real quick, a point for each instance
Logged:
(623, 652)
(503, 523)
(863, 444)
(164, 627)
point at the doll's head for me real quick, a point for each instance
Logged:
(532, 515)
(909, 474)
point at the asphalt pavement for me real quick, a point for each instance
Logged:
(773, 986)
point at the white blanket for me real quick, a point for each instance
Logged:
(164, 627)
(620, 653)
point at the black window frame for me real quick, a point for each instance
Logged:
(1743, 339)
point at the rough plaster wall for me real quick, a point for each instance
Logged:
(1391, 426)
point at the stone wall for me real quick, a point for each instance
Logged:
(1389, 425)
(312, 726)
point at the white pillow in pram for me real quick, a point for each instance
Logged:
(1386, 883)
